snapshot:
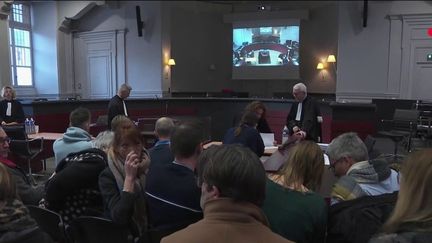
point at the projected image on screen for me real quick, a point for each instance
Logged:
(266, 46)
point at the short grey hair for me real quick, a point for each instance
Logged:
(347, 144)
(301, 87)
(103, 140)
(125, 87)
(164, 126)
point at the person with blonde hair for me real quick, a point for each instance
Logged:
(122, 122)
(411, 220)
(11, 110)
(292, 206)
(16, 224)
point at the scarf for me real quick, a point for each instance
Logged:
(116, 166)
(7, 162)
(14, 218)
(364, 172)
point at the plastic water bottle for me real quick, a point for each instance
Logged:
(27, 125)
(284, 134)
(32, 126)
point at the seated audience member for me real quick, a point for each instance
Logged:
(76, 137)
(411, 220)
(16, 224)
(172, 192)
(232, 181)
(358, 176)
(246, 134)
(161, 153)
(122, 122)
(73, 190)
(259, 108)
(28, 194)
(364, 195)
(304, 218)
(122, 183)
(11, 111)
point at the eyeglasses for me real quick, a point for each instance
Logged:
(332, 165)
(5, 139)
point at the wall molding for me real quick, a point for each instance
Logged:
(363, 97)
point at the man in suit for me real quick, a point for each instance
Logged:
(302, 120)
(117, 105)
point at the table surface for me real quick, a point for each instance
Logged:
(267, 151)
(46, 135)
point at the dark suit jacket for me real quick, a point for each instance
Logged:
(161, 154)
(115, 107)
(308, 120)
(17, 113)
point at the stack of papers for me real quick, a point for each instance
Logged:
(268, 139)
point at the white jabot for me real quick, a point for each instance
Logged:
(299, 111)
(124, 108)
(9, 109)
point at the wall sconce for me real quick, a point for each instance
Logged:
(171, 62)
(331, 58)
(320, 66)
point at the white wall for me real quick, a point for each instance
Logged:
(363, 53)
(144, 54)
(45, 48)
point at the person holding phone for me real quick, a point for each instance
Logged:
(122, 183)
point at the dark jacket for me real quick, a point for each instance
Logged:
(119, 205)
(17, 112)
(407, 232)
(262, 127)
(160, 154)
(358, 220)
(29, 194)
(308, 120)
(249, 137)
(16, 225)
(173, 196)
(76, 177)
(115, 107)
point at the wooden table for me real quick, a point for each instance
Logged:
(267, 151)
(46, 135)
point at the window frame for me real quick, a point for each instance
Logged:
(26, 25)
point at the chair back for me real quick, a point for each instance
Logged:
(17, 135)
(405, 120)
(89, 229)
(370, 143)
(49, 221)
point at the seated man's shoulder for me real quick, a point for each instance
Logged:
(216, 232)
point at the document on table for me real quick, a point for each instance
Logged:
(268, 139)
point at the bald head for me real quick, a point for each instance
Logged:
(164, 127)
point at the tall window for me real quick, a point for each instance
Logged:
(20, 45)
